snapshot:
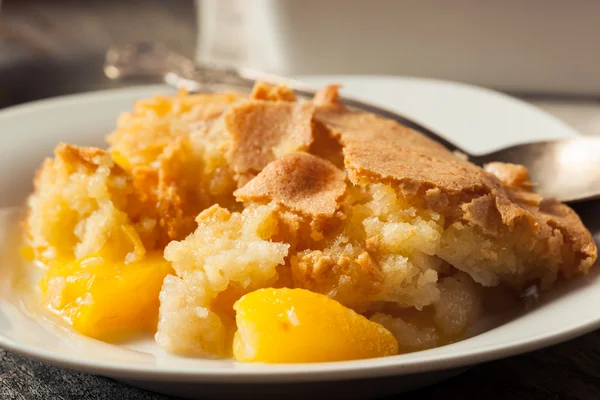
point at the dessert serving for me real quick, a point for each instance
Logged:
(274, 229)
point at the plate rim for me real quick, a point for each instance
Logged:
(380, 367)
(309, 372)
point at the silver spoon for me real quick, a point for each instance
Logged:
(567, 169)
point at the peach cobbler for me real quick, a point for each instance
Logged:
(269, 228)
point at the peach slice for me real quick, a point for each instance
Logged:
(296, 325)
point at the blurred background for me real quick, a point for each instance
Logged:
(49, 48)
(543, 51)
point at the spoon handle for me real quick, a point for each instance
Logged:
(156, 61)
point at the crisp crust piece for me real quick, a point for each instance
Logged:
(69, 158)
(328, 96)
(154, 123)
(498, 200)
(266, 91)
(549, 214)
(300, 182)
(91, 157)
(347, 125)
(263, 131)
(511, 175)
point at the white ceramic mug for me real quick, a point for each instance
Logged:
(546, 46)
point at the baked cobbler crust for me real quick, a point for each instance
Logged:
(301, 182)
(497, 201)
(248, 192)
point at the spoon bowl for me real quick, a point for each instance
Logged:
(566, 169)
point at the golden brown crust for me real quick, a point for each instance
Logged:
(266, 91)
(263, 131)
(142, 134)
(326, 146)
(377, 150)
(71, 157)
(91, 157)
(549, 214)
(562, 218)
(511, 175)
(300, 182)
(346, 124)
(328, 96)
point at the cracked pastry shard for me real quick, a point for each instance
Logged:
(264, 130)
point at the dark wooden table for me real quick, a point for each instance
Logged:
(55, 47)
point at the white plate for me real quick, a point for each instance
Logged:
(475, 118)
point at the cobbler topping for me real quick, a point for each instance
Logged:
(263, 131)
(299, 181)
(287, 208)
